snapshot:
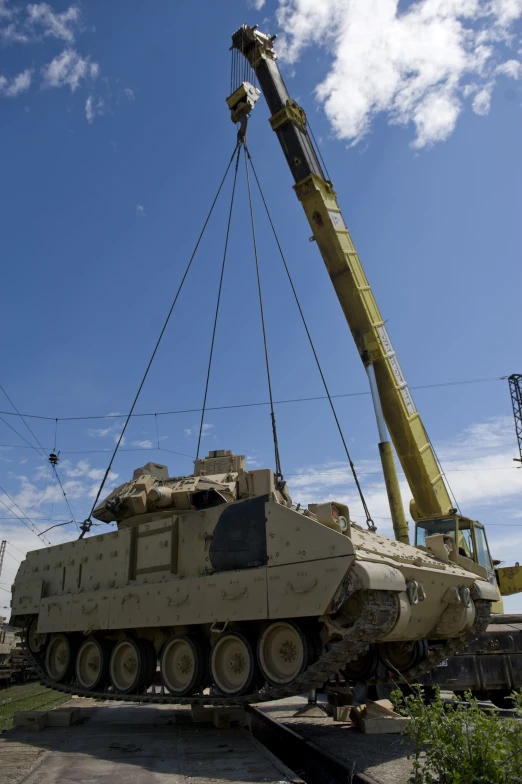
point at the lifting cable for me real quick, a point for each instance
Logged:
(220, 287)
(278, 472)
(369, 520)
(86, 525)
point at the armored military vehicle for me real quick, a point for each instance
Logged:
(239, 594)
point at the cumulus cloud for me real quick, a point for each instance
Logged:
(145, 444)
(68, 69)
(417, 66)
(37, 21)
(478, 464)
(41, 16)
(10, 88)
(140, 210)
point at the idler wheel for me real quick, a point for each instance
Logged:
(130, 666)
(402, 656)
(282, 652)
(183, 665)
(363, 667)
(59, 657)
(232, 664)
(36, 641)
(92, 664)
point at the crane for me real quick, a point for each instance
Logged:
(431, 507)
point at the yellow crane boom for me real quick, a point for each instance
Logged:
(362, 313)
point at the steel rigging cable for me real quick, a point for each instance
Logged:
(369, 521)
(86, 525)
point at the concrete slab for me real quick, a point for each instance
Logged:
(123, 743)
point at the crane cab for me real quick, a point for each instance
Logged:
(471, 543)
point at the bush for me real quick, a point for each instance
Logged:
(461, 744)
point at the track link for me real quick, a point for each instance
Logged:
(380, 610)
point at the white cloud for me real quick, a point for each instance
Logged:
(10, 88)
(510, 68)
(415, 66)
(94, 107)
(37, 21)
(100, 432)
(478, 464)
(146, 444)
(83, 469)
(128, 93)
(205, 430)
(57, 25)
(188, 431)
(140, 210)
(11, 34)
(68, 69)
(5, 12)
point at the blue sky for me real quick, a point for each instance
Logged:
(114, 136)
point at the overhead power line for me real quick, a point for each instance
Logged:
(244, 405)
(24, 422)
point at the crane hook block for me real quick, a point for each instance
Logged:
(242, 101)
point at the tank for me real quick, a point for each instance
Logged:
(216, 588)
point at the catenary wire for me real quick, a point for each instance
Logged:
(24, 422)
(238, 148)
(33, 529)
(88, 521)
(16, 548)
(247, 405)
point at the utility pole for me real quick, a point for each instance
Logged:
(515, 389)
(2, 553)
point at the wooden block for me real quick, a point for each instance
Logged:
(33, 721)
(341, 712)
(377, 721)
(201, 714)
(62, 717)
(381, 705)
(339, 698)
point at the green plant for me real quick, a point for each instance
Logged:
(461, 744)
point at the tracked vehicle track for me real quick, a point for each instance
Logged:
(378, 617)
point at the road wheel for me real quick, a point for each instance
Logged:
(362, 668)
(402, 656)
(282, 652)
(36, 642)
(130, 666)
(92, 664)
(233, 665)
(59, 657)
(183, 665)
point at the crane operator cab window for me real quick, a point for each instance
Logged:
(449, 526)
(470, 538)
(446, 526)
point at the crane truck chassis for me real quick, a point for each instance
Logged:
(493, 664)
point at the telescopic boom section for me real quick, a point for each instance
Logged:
(318, 198)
